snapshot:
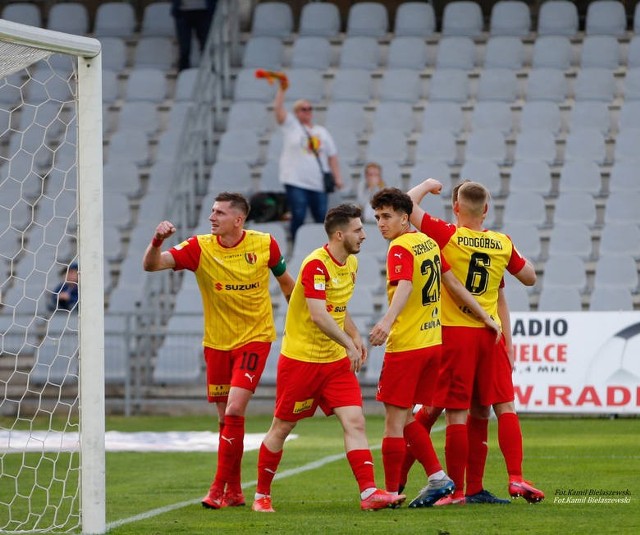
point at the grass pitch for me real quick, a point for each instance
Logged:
(158, 493)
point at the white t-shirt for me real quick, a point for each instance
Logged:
(298, 164)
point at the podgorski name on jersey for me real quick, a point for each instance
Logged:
(481, 242)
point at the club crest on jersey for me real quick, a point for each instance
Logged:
(398, 269)
(251, 258)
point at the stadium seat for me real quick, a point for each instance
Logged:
(393, 115)
(115, 19)
(559, 299)
(629, 116)
(497, 84)
(311, 52)
(530, 175)
(626, 148)
(604, 299)
(185, 85)
(71, 17)
(600, 52)
(448, 85)
(536, 144)
(157, 20)
(558, 18)
(346, 115)
(540, 114)
(462, 17)
(116, 209)
(116, 348)
(606, 17)
(23, 13)
(517, 297)
(437, 169)
(142, 117)
(407, 53)
(575, 207)
(229, 176)
(360, 52)
(492, 115)
(305, 83)
(353, 85)
(239, 145)
(348, 147)
(146, 84)
(56, 360)
(154, 53)
(121, 177)
(387, 144)
(415, 19)
(486, 144)
(622, 207)
(441, 115)
(485, 171)
(624, 176)
(114, 53)
(571, 238)
(128, 146)
(587, 144)
(368, 19)
(619, 271)
(620, 238)
(456, 53)
(595, 84)
(272, 19)
(319, 19)
(504, 52)
(564, 271)
(249, 115)
(546, 84)
(400, 85)
(590, 114)
(263, 52)
(526, 238)
(510, 17)
(552, 52)
(524, 207)
(436, 145)
(269, 180)
(580, 175)
(247, 88)
(633, 52)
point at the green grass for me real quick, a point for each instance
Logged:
(561, 454)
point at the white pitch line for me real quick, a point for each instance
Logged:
(280, 475)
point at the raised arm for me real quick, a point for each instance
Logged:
(154, 259)
(417, 193)
(278, 105)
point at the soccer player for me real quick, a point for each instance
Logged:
(321, 352)
(476, 373)
(232, 267)
(411, 329)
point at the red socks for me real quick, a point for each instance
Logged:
(393, 454)
(268, 462)
(361, 463)
(420, 444)
(478, 449)
(230, 450)
(456, 452)
(510, 440)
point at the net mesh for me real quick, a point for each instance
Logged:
(39, 474)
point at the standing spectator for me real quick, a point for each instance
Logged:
(232, 267)
(476, 373)
(191, 16)
(308, 150)
(412, 332)
(368, 186)
(65, 295)
(321, 351)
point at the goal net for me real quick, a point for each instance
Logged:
(51, 345)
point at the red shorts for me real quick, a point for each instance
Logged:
(241, 367)
(470, 363)
(409, 377)
(301, 387)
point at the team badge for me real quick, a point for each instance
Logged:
(251, 258)
(398, 269)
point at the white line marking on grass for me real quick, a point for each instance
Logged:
(280, 475)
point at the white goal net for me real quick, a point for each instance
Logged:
(51, 283)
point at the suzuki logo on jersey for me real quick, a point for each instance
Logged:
(251, 258)
(237, 287)
(218, 286)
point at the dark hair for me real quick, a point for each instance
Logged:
(340, 216)
(237, 200)
(397, 199)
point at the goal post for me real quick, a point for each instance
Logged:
(22, 49)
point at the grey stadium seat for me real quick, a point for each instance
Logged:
(437, 169)
(517, 296)
(526, 238)
(565, 271)
(620, 238)
(575, 207)
(415, 19)
(486, 144)
(346, 115)
(571, 238)
(393, 115)
(456, 52)
(23, 13)
(154, 52)
(263, 52)
(559, 299)
(504, 52)
(407, 53)
(311, 52)
(580, 175)
(619, 271)
(239, 145)
(485, 171)
(624, 176)
(440, 115)
(510, 17)
(585, 144)
(552, 52)
(525, 207)
(606, 17)
(603, 299)
(493, 115)
(462, 18)
(305, 83)
(590, 114)
(631, 84)
(536, 144)
(546, 84)
(436, 145)
(115, 19)
(368, 19)
(497, 84)
(449, 85)
(71, 17)
(530, 175)
(400, 85)
(387, 143)
(558, 18)
(626, 148)
(146, 84)
(157, 20)
(360, 52)
(600, 51)
(273, 19)
(622, 207)
(247, 87)
(319, 19)
(114, 53)
(352, 85)
(540, 114)
(595, 84)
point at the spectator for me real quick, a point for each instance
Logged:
(191, 16)
(308, 150)
(65, 295)
(368, 186)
